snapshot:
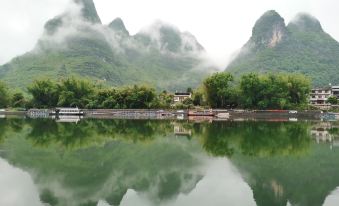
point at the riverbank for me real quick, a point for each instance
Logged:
(213, 114)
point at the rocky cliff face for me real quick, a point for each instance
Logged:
(269, 30)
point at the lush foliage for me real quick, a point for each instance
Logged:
(4, 95)
(219, 91)
(81, 93)
(45, 93)
(136, 97)
(332, 100)
(270, 91)
(75, 92)
(274, 91)
(18, 100)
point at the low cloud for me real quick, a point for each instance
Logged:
(22, 24)
(157, 31)
(73, 25)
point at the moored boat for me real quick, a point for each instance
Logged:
(67, 111)
(223, 115)
(38, 113)
(200, 113)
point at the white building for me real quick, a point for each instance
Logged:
(335, 91)
(319, 96)
(181, 96)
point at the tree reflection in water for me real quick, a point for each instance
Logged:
(102, 159)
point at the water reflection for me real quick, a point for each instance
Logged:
(256, 138)
(220, 186)
(333, 198)
(68, 119)
(147, 162)
(181, 130)
(17, 187)
(65, 173)
(321, 132)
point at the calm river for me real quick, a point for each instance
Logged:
(168, 163)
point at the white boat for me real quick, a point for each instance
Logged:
(180, 116)
(223, 115)
(293, 112)
(38, 113)
(67, 111)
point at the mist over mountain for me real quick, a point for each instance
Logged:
(301, 46)
(76, 43)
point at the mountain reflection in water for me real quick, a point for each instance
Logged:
(149, 162)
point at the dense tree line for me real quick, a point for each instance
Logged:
(80, 93)
(220, 90)
(280, 91)
(73, 92)
(254, 91)
(10, 98)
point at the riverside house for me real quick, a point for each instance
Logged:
(319, 96)
(335, 91)
(179, 97)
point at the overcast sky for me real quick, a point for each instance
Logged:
(221, 26)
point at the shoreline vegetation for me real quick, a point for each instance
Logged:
(220, 90)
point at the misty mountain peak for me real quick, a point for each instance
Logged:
(303, 48)
(269, 30)
(89, 11)
(306, 23)
(80, 10)
(169, 38)
(118, 26)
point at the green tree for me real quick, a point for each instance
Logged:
(4, 95)
(165, 100)
(107, 98)
(219, 91)
(251, 87)
(332, 100)
(188, 103)
(299, 87)
(198, 98)
(139, 97)
(76, 92)
(274, 91)
(45, 93)
(18, 100)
